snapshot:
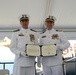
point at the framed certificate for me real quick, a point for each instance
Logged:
(33, 50)
(48, 50)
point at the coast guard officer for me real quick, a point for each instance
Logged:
(23, 65)
(53, 65)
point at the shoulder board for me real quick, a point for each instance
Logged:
(33, 30)
(41, 32)
(59, 30)
(16, 30)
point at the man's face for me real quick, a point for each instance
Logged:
(24, 24)
(49, 25)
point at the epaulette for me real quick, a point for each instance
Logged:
(16, 30)
(41, 32)
(33, 30)
(59, 30)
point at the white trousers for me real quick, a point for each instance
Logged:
(53, 70)
(24, 70)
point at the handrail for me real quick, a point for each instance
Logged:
(70, 60)
(4, 63)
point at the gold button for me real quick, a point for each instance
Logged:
(26, 36)
(48, 36)
(48, 42)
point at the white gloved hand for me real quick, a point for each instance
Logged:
(39, 64)
(39, 61)
(23, 53)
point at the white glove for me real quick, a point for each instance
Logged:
(38, 61)
(38, 64)
(23, 53)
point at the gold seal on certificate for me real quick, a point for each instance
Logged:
(33, 50)
(48, 50)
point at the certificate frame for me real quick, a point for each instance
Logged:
(38, 50)
(33, 50)
(49, 50)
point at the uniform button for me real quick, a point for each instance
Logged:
(48, 36)
(48, 42)
(26, 36)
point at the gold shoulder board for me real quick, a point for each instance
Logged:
(59, 30)
(33, 30)
(41, 32)
(16, 30)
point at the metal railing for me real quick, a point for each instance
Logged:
(4, 63)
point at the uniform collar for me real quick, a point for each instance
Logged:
(24, 30)
(50, 31)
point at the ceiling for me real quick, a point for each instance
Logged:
(38, 10)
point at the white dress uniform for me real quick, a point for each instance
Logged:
(53, 65)
(22, 65)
